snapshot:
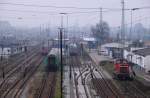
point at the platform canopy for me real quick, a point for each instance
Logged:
(89, 39)
(114, 45)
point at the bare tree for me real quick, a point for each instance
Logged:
(101, 32)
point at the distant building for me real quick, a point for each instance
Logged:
(147, 43)
(56, 42)
(90, 42)
(10, 46)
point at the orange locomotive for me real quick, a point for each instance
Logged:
(123, 70)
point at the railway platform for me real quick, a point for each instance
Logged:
(98, 58)
(68, 84)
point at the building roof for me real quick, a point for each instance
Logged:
(56, 39)
(147, 43)
(113, 45)
(142, 52)
(89, 39)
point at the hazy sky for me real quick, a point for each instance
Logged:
(35, 16)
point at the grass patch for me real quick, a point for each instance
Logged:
(108, 66)
(139, 78)
(43, 65)
(58, 87)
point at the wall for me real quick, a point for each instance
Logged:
(137, 59)
(147, 63)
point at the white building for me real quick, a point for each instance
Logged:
(141, 57)
(5, 52)
(9, 45)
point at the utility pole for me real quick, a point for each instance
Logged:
(67, 26)
(131, 11)
(2, 56)
(61, 61)
(61, 57)
(101, 20)
(122, 30)
(67, 33)
(100, 28)
(131, 26)
(123, 23)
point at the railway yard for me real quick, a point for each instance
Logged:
(75, 49)
(28, 75)
(91, 80)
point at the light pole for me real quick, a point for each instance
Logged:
(131, 11)
(66, 35)
(66, 31)
(123, 23)
(61, 57)
(25, 53)
(2, 54)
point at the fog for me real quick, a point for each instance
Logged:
(47, 12)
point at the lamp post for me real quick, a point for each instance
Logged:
(61, 43)
(61, 57)
(25, 53)
(66, 35)
(131, 11)
(2, 55)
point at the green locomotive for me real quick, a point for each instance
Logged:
(53, 60)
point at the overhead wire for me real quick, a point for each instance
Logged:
(94, 10)
(46, 12)
(71, 7)
(50, 6)
(136, 21)
(28, 11)
(33, 5)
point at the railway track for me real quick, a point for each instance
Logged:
(73, 65)
(82, 75)
(80, 78)
(103, 89)
(19, 83)
(47, 87)
(131, 91)
(20, 87)
(17, 69)
(14, 57)
(16, 61)
(129, 88)
(16, 79)
(102, 84)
